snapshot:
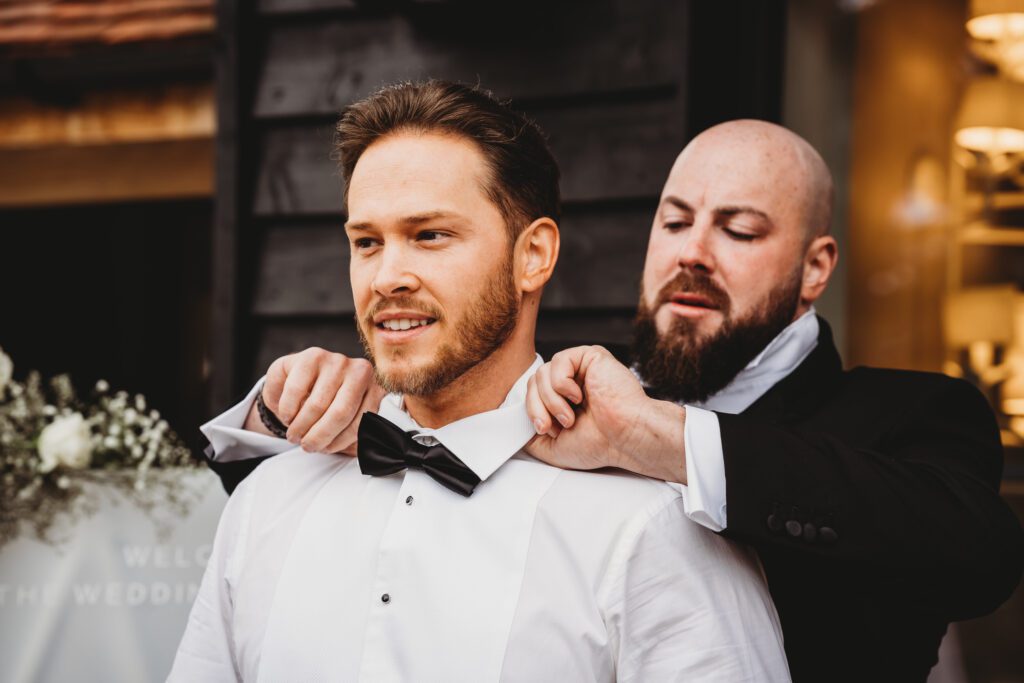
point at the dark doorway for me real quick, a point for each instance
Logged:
(112, 291)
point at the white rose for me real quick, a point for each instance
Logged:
(6, 370)
(65, 441)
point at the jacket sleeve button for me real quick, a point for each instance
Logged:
(810, 532)
(794, 528)
(828, 534)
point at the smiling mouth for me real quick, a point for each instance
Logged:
(402, 324)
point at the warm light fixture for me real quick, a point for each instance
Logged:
(997, 27)
(996, 20)
(988, 323)
(991, 117)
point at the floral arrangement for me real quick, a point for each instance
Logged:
(52, 442)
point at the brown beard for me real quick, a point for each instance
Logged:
(679, 365)
(487, 325)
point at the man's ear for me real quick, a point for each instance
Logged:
(819, 262)
(536, 252)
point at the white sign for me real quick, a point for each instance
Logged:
(109, 603)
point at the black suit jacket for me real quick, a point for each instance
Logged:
(872, 499)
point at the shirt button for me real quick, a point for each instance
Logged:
(408, 501)
(385, 598)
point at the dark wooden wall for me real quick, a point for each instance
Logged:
(607, 80)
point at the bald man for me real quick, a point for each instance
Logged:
(870, 495)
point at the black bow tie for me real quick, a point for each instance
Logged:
(385, 449)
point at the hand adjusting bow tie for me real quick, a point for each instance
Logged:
(385, 449)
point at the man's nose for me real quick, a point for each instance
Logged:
(394, 275)
(695, 248)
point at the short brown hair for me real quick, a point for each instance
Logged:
(523, 180)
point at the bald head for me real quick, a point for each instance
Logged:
(772, 160)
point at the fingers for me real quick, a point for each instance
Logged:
(277, 374)
(347, 441)
(556, 404)
(302, 371)
(543, 421)
(343, 410)
(566, 375)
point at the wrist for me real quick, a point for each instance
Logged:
(254, 421)
(270, 421)
(660, 450)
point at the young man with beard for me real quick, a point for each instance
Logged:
(444, 553)
(870, 495)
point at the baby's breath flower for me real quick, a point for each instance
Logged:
(6, 371)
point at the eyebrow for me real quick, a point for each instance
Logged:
(678, 203)
(415, 219)
(728, 211)
(724, 211)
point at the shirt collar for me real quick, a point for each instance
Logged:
(484, 441)
(779, 358)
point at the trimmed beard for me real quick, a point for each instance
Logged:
(682, 367)
(485, 327)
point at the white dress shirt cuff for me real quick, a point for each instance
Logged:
(230, 441)
(704, 492)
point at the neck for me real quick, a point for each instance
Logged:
(481, 388)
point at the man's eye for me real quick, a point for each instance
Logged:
(430, 236)
(364, 243)
(740, 236)
(673, 225)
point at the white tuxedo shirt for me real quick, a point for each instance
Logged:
(321, 573)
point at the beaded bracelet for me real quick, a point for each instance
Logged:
(269, 420)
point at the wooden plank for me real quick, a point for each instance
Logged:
(300, 6)
(37, 176)
(615, 151)
(303, 270)
(612, 151)
(297, 174)
(319, 67)
(166, 112)
(558, 330)
(555, 331)
(53, 26)
(601, 259)
(278, 338)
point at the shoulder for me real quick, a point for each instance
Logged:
(290, 477)
(618, 493)
(611, 509)
(915, 391)
(907, 381)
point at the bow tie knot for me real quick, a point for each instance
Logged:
(385, 449)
